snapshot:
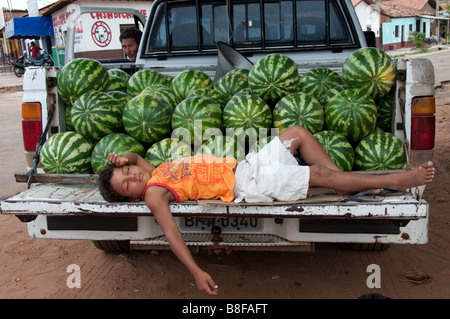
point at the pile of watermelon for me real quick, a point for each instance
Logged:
(163, 118)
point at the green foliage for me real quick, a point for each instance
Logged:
(418, 38)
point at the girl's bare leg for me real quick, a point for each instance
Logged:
(310, 150)
(348, 182)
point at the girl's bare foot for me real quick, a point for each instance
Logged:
(420, 175)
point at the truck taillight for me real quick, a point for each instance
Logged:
(31, 125)
(423, 122)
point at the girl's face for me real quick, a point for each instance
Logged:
(130, 181)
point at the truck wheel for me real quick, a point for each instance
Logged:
(369, 247)
(113, 246)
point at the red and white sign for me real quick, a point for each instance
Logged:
(101, 33)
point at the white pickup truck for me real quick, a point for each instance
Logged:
(184, 34)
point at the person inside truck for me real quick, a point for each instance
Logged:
(130, 39)
(272, 173)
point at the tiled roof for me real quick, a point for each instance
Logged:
(55, 7)
(398, 10)
(413, 4)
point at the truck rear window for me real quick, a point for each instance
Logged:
(190, 26)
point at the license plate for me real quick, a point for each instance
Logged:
(225, 223)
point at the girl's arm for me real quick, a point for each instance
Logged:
(129, 159)
(157, 199)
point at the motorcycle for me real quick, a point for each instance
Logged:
(23, 62)
(19, 66)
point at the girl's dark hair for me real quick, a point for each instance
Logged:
(104, 185)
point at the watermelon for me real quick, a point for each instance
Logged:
(318, 81)
(273, 77)
(210, 93)
(147, 118)
(260, 143)
(116, 84)
(385, 108)
(66, 153)
(81, 76)
(380, 151)
(166, 150)
(338, 148)
(164, 92)
(370, 69)
(351, 113)
(189, 80)
(330, 93)
(232, 82)
(245, 91)
(96, 114)
(68, 118)
(121, 97)
(117, 142)
(247, 113)
(223, 146)
(143, 78)
(120, 73)
(298, 109)
(196, 115)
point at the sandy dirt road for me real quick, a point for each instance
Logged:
(32, 268)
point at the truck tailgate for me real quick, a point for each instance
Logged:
(85, 199)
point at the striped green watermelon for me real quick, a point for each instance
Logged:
(96, 114)
(370, 69)
(166, 150)
(147, 118)
(318, 81)
(245, 91)
(81, 76)
(331, 92)
(68, 118)
(117, 142)
(187, 81)
(120, 73)
(246, 113)
(120, 96)
(116, 84)
(167, 79)
(232, 82)
(298, 109)
(380, 151)
(338, 148)
(164, 92)
(143, 78)
(197, 115)
(210, 93)
(385, 109)
(262, 141)
(66, 153)
(351, 113)
(273, 77)
(223, 146)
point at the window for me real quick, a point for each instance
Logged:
(396, 33)
(198, 25)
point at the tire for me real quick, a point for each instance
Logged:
(18, 71)
(369, 247)
(113, 246)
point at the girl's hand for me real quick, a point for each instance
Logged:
(206, 284)
(117, 160)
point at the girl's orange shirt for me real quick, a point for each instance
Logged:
(196, 177)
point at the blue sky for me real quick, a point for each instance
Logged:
(22, 4)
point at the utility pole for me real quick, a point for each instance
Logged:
(438, 23)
